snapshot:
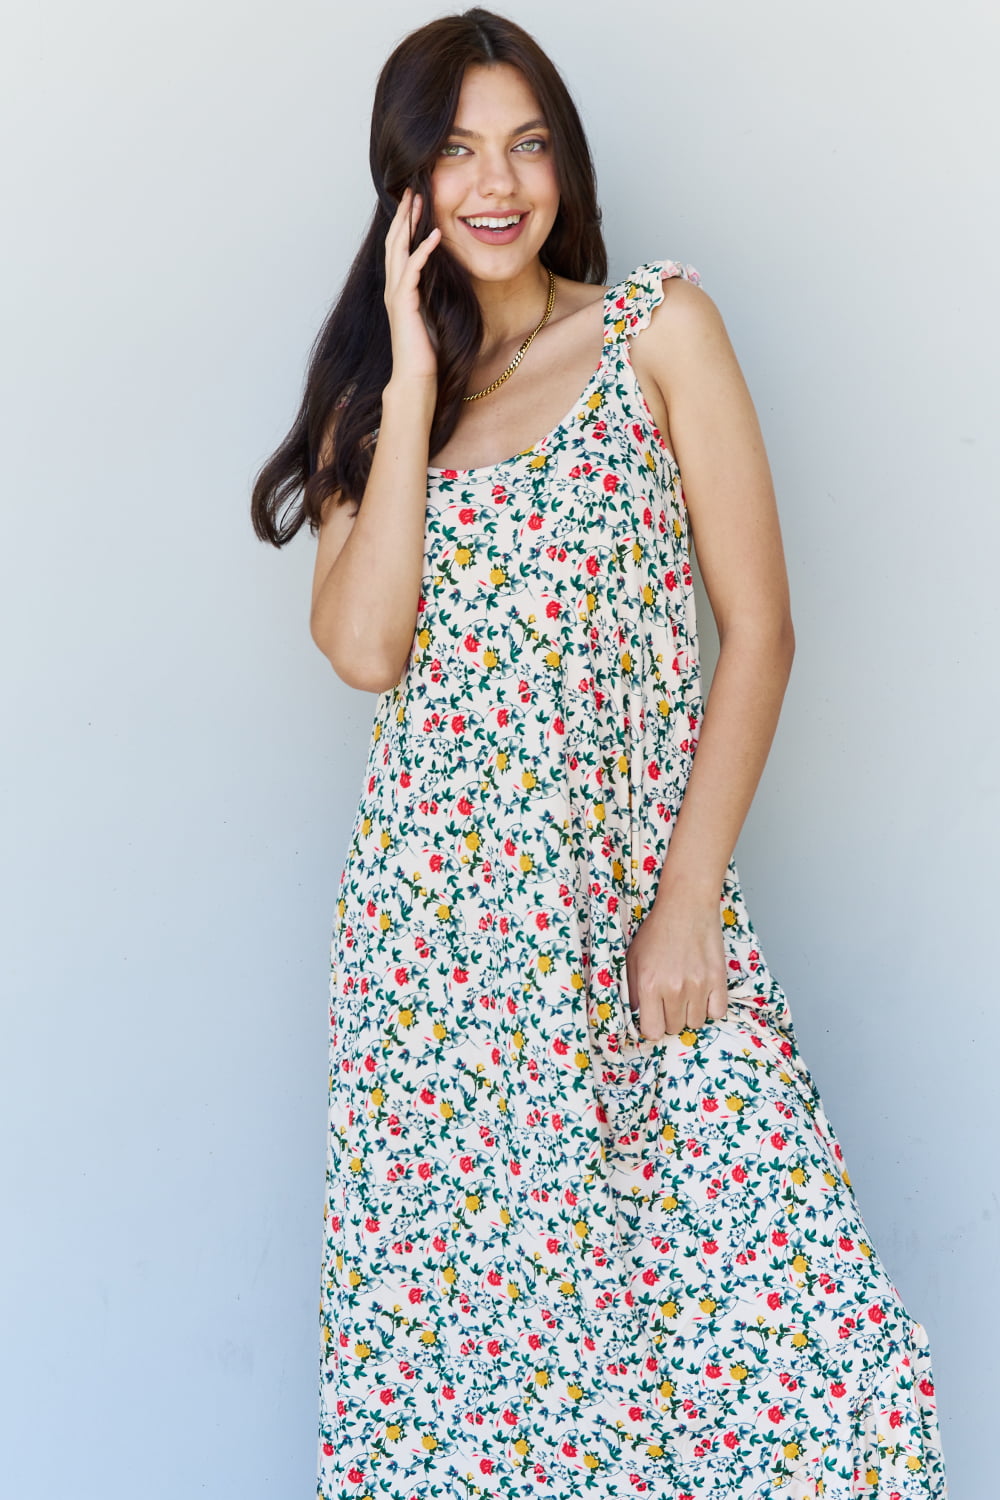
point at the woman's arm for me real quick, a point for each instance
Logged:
(369, 560)
(715, 436)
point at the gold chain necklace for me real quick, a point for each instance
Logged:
(524, 347)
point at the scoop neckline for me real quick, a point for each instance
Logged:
(543, 442)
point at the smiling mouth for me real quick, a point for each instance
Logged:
(496, 222)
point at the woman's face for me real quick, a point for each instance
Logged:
(497, 164)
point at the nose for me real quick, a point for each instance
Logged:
(497, 177)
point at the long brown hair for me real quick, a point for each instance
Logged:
(416, 99)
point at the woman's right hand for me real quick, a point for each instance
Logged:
(413, 355)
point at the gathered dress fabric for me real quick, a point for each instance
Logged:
(560, 1259)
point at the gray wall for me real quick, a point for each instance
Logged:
(185, 185)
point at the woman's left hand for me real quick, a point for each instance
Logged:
(676, 967)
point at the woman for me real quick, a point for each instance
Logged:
(589, 1229)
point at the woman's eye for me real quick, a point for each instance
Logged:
(535, 141)
(453, 148)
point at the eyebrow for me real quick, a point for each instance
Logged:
(474, 135)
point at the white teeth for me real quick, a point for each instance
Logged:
(495, 223)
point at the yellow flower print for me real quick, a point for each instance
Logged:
(429, 1441)
(798, 1176)
(708, 1304)
(689, 1037)
(362, 1350)
(423, 639)
(582, 1059)
(446, 1110)
(472, 840)
(406, 1017)
(443, 912)
(739, 1372)
(800, 1340)
(428, 1336)
(498, 576)
(440, 1032)
(800, 1263)
(734, 1102)
(463, 556)
(591, 1461)
(490, 658)
(729, 917)
(596, 400)
(539, 461)
(528, 780)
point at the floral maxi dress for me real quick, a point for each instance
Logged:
(560, 1259)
